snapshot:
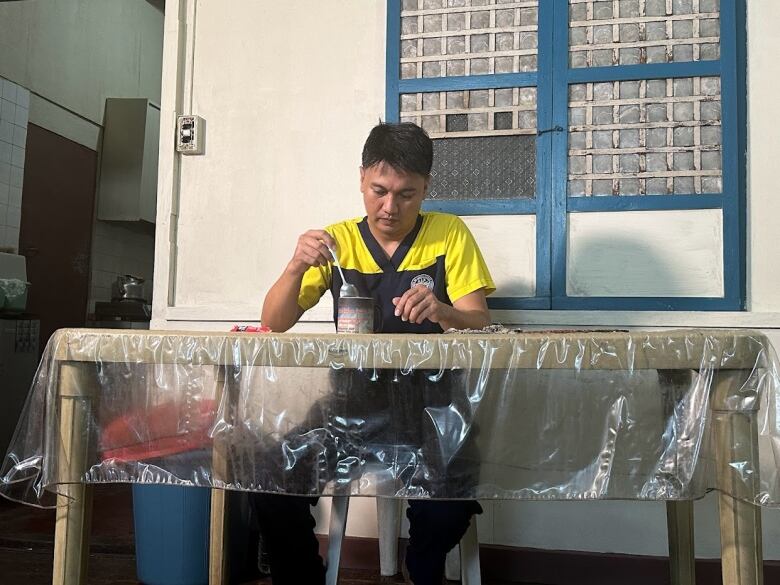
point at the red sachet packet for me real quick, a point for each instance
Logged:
(251, 329)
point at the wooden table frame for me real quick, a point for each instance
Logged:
(734, 430)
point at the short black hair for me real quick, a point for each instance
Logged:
(405, 147)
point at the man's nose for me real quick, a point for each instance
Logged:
(390, 205)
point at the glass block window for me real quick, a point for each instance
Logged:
(493, 112)
(647, 137)
(630, 32)
(450, 38)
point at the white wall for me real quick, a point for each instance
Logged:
(763, 146)
(286, 117)
(639, 527)
(68, 56)
(289, 91)
(76, 53)
(14, 112)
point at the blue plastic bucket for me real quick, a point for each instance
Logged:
(171, 534)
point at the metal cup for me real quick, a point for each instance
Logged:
(355, 315)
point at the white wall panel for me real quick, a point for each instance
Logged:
(508, 243)
(645, 253)
(763, 145)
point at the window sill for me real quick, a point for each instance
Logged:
(729, 319)
(323, 313)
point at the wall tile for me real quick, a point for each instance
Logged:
(12, 237)
(14, 115)
(17, 176)
(15, 196)
(5, 151)
(105, 262)
(7, 130)
(22, 115)
(99, 293)
(7, 110)
(9, 90)
(17, 156)
(23, 97)
(104, 278)
(19, 136)
(14, 217)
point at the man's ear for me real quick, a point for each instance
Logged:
(362, 174)
(427, 184)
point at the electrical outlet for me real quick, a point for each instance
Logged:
(190, 134)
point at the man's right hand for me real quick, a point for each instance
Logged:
(311, 250)
(280, 308)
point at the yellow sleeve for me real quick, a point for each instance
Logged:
(316, 280)
(464, 265)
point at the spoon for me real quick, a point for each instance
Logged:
(346, 290)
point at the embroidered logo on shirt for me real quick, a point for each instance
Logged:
(422, 279)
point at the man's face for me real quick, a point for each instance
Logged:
(392, 199)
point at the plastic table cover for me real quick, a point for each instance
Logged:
(643, 415)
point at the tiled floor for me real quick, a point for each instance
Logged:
(27, 534)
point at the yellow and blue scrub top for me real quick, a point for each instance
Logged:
(440, 252)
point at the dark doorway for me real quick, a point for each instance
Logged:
(58, 201)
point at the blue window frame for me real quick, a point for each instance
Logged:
(552, 205)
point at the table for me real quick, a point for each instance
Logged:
(675, 413)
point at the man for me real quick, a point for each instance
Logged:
(426, 275)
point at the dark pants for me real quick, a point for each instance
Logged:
(435, 527)
(287, 528)
(286, 523)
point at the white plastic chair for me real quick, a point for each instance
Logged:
(462, 561)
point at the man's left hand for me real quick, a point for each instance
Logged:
(418, 304)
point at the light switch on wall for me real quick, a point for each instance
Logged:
(190, 134)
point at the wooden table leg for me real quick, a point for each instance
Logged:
(675, 384)
(735, 435)
(682, 559)
(218, 553)
(74, 502)
(218, 540)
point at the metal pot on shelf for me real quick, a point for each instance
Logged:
(128, 288)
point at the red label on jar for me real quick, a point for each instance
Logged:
(355, 315)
